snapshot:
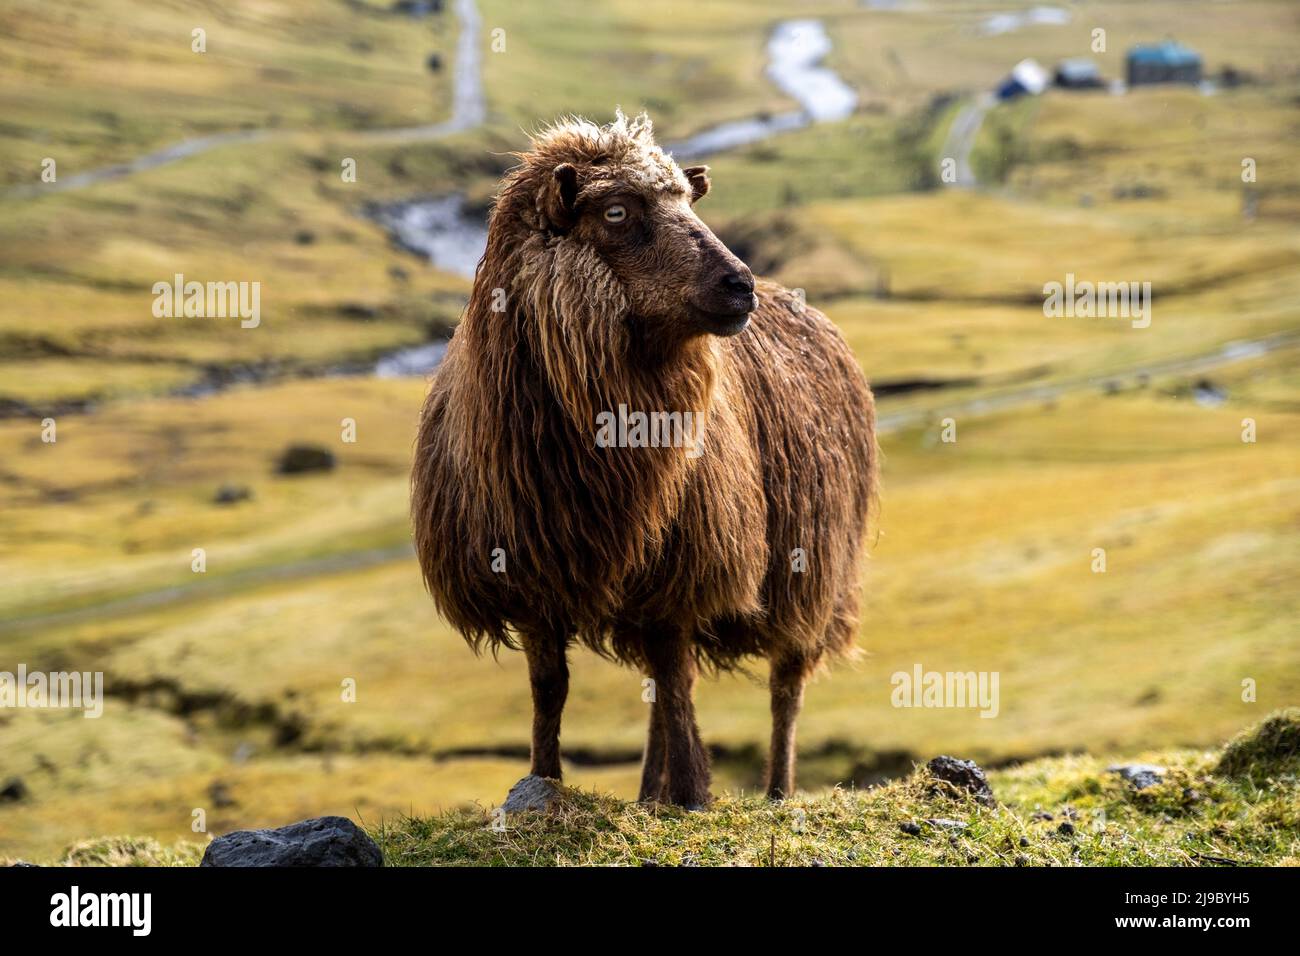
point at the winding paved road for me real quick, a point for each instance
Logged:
(961, 138)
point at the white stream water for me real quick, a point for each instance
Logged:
(794, 52)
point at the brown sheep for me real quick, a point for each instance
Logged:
(601, 293)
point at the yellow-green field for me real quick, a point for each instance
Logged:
(226, 688)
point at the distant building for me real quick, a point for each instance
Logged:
(1027, 77)
(1166, 62)
(1078, 74)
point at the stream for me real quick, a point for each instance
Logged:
(794, 51)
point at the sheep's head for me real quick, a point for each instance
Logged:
(618, 210)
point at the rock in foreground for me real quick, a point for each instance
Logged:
(963, 775)
(1140, 775)
(323, 841)
(531, 793)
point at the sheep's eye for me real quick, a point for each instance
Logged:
(615, 214)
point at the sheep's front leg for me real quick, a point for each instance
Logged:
(673, 668)
(654, 768)
(548, 675)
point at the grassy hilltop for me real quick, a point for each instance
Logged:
(1220, 809)
(1224, 808)
(224, 688)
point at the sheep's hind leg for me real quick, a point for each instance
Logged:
(787, 681)
(548, 675)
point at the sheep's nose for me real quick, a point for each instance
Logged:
(738, 283)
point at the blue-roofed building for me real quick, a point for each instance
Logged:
(1166, 62)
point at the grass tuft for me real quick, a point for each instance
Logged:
(1271, 749)
(131, 851)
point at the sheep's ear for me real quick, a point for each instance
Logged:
(699, 177)
(559, 195)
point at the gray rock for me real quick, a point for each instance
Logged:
(300, 459)
(1141, 775)
(964, 775)
(531, 793)
(945, 824)
(323, 841)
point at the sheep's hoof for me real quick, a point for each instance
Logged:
(693, 804)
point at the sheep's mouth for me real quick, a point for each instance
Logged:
(726, 325)
(731, 321)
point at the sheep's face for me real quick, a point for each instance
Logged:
(676, 276)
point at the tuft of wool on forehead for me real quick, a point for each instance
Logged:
(623, 151)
